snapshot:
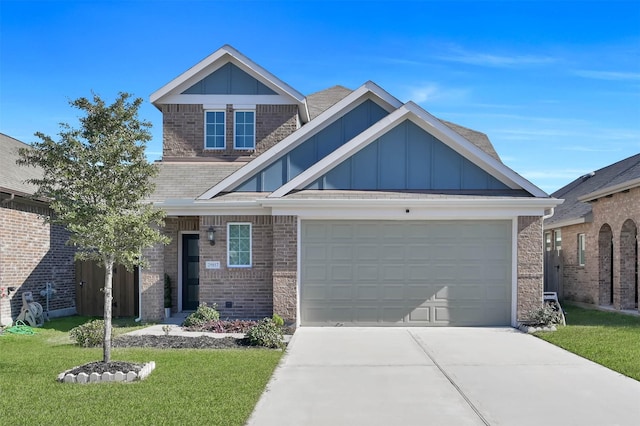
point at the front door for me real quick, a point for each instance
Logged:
(190, 272)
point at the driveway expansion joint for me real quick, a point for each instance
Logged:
(449, 378)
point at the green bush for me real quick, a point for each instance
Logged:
(202, 315)
(277, 320)
(266, 333)
(546, 316)
(89, 334)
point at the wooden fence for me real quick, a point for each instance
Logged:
(89, 295)
(553, 271)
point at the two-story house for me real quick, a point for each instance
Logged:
(341, 207)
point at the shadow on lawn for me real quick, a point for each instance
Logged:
(595, 318)
(64, 324)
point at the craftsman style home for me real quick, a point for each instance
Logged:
(592, 239)
(343, 207)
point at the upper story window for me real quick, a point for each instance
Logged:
(245, 130)
(214, 130)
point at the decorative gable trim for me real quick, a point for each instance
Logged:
(369, 90)
(172, 91)
(431, 125)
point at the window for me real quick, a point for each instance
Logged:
(581, 249)
(245, 134)
(547, 241)
(214, 130)
(239, 245)
(557, 239)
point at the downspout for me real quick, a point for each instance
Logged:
(139, 295)
(551, 212)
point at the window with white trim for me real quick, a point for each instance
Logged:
(547, 241)
(557, 239)
(581, 249)
(245, 130)
(214, 129)
(239, 245)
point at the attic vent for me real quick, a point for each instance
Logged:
(587, 176)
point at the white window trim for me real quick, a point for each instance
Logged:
(250, 245)
(224, 134)
(582, 241)
(254, 129)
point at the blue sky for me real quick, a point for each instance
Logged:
(554, 84)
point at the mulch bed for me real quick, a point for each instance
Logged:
(179, 342)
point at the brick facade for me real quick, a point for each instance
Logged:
(183, 131)
(285, 267)
(33, 253)
(616, 218)
(530, 265)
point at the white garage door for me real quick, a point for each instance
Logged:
(406, 273)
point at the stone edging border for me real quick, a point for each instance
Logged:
(119, 376)
(533, 329)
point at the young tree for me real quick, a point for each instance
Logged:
(96, 178)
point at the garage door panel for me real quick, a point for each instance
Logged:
(406, 273)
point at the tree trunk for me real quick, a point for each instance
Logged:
(108, 298)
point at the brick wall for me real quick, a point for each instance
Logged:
(285, 266)
(615, 217)
(33, 253)
(250, 290)
(152, 284)
(183, 131)
(530, 264)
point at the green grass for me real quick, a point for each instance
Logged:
(608, 338)
(217, 387)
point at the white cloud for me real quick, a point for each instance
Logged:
(458, 54)
(608, 75)
(432, 92)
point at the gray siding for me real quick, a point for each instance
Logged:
(229, 80)
(314, 149)
(407, 158)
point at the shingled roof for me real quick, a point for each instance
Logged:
(321, 101)
(575, 207)
(12, 176)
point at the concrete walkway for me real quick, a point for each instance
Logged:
(440, 376)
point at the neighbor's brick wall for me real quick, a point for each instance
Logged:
(285, 266)
(587, 284)
(577, 284)
(33, 253)
(530, 264)
(250, 290)
(183, 131)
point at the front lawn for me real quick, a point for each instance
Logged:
(608, 338)
(217, 387)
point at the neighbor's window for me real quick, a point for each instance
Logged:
(557, 239)
(581, 249)
(245, 130)
(239, 245)
(547, 241)
(214, 130)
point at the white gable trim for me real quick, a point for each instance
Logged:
(216, 60)
(431, 125)
(369, 90)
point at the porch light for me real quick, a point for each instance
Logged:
(211, 235)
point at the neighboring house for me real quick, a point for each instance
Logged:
(594, 233)
(32, 253)
(342, 207)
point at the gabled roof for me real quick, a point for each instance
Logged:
(215, 61)
(13, 176)
(430, 124)
(616, 177)
(321, 101)
(366, 91)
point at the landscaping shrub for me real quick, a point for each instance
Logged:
(266, 333)
(202, 315)
(277, 320)
(546, 316)
(89, 334)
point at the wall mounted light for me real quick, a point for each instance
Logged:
(211, 235)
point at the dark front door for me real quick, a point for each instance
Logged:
(190, 272)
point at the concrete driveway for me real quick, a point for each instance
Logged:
(440, 376)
